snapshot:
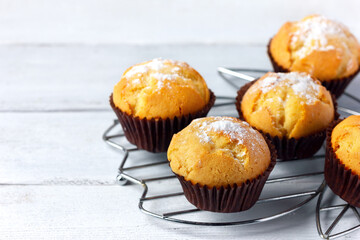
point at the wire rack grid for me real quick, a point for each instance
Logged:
(311, 182)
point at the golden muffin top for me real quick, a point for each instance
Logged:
(161, 89)
(345, 140)
(291, 105)
(218, 151)
(317, 45)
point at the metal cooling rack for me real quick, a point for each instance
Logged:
(337, 219)
(173, 206)
(351, 222)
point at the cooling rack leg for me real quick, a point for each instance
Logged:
(121, 180)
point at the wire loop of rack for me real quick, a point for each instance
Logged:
(296, 199)
(344, 207)
(124, 177)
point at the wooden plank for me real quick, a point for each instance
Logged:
(110, 212)
(82, 77)
(64, 148)
(60, 147)
(159, 21)
(67, 148)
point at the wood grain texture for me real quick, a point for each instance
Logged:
(59, 62)
(110, 212)
(160, 21)
(81, 77)
(57, 175)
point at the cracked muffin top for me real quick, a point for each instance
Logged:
(316, 45)
(291, 105)
(218, 151)
(161, 88)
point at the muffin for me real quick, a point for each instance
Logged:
(342, 162)
(155, 99)
(319, 46)
(222, 163)
(292, 109)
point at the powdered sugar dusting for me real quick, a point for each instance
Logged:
(161, 78)
(155, 64)
(313, 34)
(227, 127)
(269, 82)
(136, 81)
(237, 131)
(302, 84)
(159, 69)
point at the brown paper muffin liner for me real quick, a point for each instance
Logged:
(335, 86)
(289, 149)
(338, 177)
(227, 199)
(154, 135)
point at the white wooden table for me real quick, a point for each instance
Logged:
(59, 62)
(57, 176)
